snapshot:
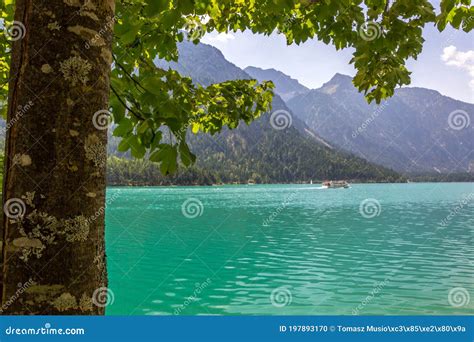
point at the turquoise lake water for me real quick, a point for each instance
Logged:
(373, 249)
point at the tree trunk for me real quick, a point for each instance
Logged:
(54, 185)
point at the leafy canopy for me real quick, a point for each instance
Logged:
(154, 107)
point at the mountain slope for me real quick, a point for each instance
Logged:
(285, 86)
(204, 64)
(409, 132)
(259, 152)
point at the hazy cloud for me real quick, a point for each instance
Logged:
(221, 38)
(461, 60)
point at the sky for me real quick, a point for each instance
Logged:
(446, 63)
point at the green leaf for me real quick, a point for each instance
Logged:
(186, 6)
(154, 7)
(186, 156)
(166, 155)
(136, 147)
(118, 110)
(143, 126)
(155, 143)
(123, 146)
(125, 126)
(154, 85)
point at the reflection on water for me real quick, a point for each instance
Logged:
(283, 249)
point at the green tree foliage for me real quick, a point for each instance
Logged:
(147, 99)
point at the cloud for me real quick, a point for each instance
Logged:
(461, 60)
(218, 39)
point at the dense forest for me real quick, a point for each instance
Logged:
(123, 171)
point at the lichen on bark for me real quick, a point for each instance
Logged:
(76, 70)
(65, 159)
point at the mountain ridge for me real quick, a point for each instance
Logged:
(409, 132)
(259, 152)
(285, 86)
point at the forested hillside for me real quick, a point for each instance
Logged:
(260, 152)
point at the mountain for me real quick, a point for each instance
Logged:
(285, 86)
(414, 131)
(204, 64)
(256, 152)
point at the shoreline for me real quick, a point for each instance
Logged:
(260, 184)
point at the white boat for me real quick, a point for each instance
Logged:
(335, 184)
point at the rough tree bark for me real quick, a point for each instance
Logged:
(54, 186)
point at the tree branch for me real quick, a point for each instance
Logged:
(127, 73)
(138, 116)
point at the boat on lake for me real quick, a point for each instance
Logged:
(335, 184)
